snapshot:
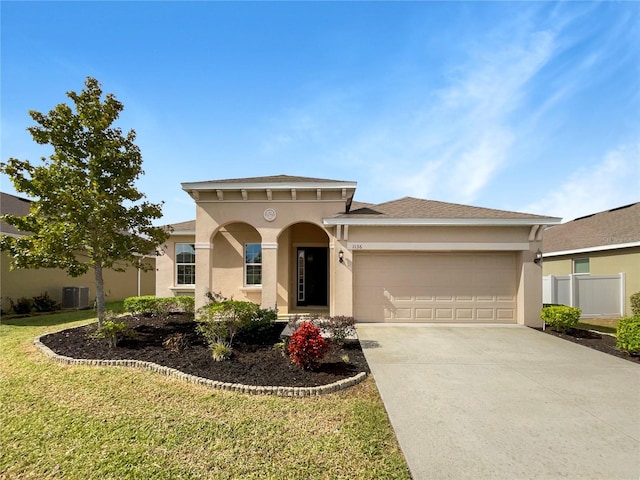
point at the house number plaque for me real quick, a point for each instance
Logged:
(269, 215)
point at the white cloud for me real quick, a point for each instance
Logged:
(612, 182)
(464, 137)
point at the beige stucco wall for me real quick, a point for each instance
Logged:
(166, 271)
(607, 262)
(29, 283)
(276, 237)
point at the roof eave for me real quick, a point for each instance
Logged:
(206, 186)
(411, 222)
(599, 248)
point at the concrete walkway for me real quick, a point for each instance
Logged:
(505, 402)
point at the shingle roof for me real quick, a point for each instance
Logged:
(274, 179)
(188, 226)
(409, 207)
(12, 205)
(612, 227)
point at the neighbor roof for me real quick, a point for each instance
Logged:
(613, 228)
(12, 205)
(183, 228)
(409, 211)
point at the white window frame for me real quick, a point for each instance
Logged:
(248, 264)
(178, 264)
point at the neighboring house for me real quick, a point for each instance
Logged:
(28, 283)
(303, 245)
(597, 257)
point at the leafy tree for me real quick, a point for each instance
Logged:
(87, 212)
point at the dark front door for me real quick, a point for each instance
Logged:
(312, 276)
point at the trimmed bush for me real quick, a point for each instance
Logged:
(628, 334)
(144, 305)
(307, 347)
(635, 304)
(185, 304)
(561, 318)
(151, 306)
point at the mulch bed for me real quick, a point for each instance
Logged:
(254, 360)
(598, 341)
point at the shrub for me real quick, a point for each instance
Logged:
(185, 303)
(221, 351)
(635, 304)
(176, 342)
(306, 346)
(339, 328)
(628, 334)
(22, 306)
(161, 307)
(44, 303)
(144, 305)
(223, 321)
(114, 332)
(561, 318)
(281, 346)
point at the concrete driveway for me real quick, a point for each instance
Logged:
(505, 402)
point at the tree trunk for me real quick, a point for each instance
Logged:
(100, 303)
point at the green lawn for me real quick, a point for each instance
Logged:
(605, 325)
(80, 422)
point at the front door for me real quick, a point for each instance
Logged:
(312, 274)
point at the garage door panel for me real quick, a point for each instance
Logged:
(435, 287)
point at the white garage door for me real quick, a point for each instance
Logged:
(435, 287)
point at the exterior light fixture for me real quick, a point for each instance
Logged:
(341, 256)
(538, 259)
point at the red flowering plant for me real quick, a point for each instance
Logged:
(306, 346)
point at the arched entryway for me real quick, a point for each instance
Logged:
(303, 255)
(236, 263)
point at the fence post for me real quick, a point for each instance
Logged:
(623, 300)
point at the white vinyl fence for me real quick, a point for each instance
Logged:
(595, 295)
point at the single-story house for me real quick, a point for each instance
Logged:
(15, 284)
(599, 255)
(304, 245)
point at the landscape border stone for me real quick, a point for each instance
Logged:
(215, 384)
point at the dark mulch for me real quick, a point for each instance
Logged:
(254, 360)
(598, 341)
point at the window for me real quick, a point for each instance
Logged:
(185, 264)
(253, 264)
(581, 265)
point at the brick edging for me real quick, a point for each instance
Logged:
(234, 387)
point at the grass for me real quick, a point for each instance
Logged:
(605, 325)
(79, 422)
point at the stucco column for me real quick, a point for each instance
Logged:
(269, 275)
(203, 273)
(530, 290)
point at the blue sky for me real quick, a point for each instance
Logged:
(532, 107)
